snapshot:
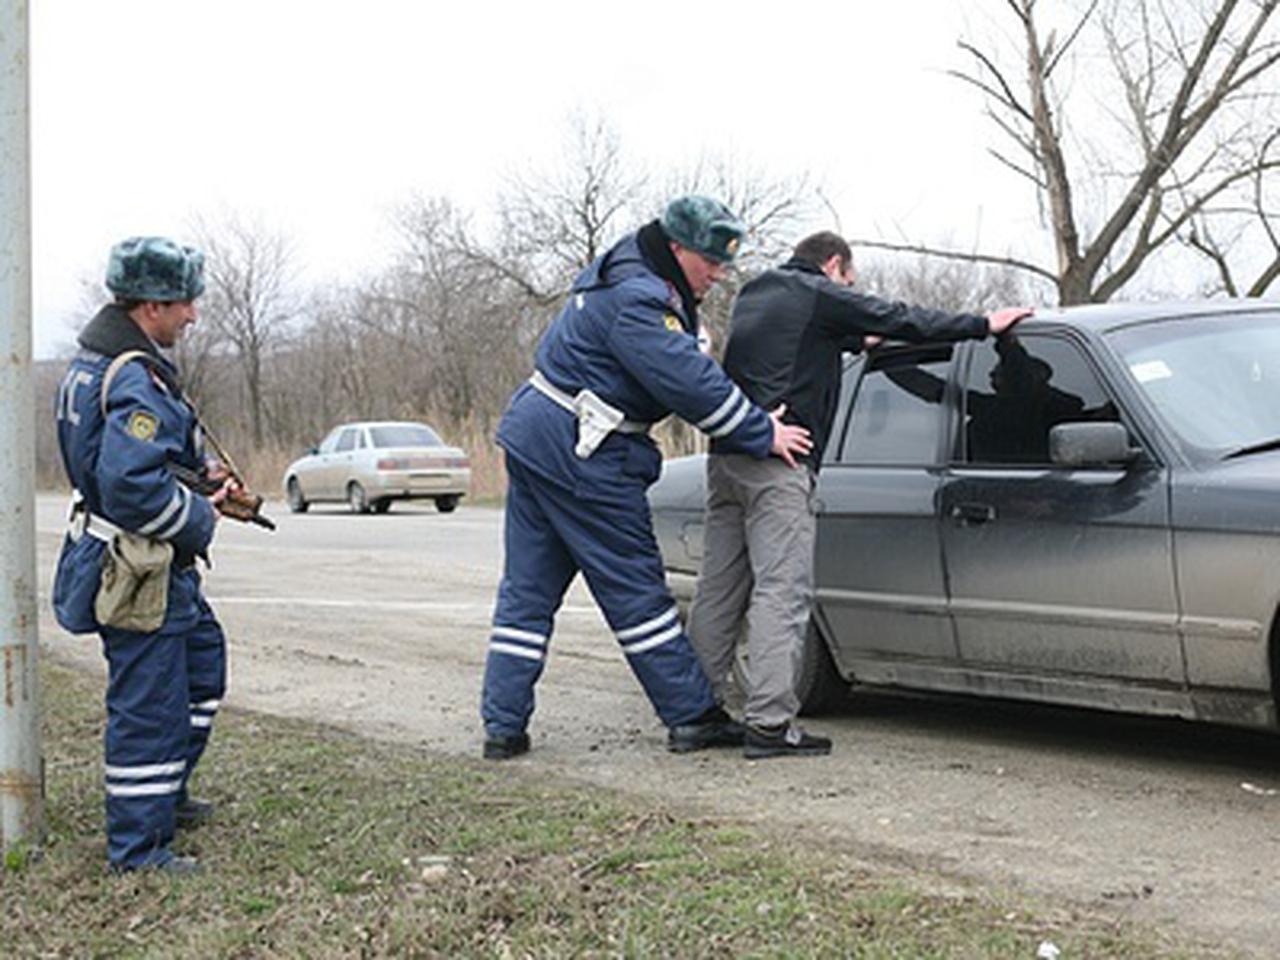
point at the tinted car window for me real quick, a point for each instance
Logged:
(404, 435)
(897, 412)
(347, 441)
(1017, 389)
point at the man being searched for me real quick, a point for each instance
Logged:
(622, 354)
(788, 329)
(127, 565)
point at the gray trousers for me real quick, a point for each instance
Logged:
(757, 566)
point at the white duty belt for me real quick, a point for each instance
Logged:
(80, 521)
(596, 418)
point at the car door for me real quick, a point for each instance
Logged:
(1054, 572)
(315, 474)
(343, 459)
(880, 591)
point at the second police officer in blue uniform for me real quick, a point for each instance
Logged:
(622, 354)
(166, 665)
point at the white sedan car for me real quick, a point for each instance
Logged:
(370, 464)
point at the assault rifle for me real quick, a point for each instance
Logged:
(243, 504)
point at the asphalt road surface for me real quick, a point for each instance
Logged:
(379, 624)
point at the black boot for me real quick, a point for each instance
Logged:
(190, 814)
(175, 865)
(784, 740)
(504, 748)
(715, 728)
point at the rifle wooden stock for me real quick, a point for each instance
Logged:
(246, 505)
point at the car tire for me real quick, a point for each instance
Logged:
(447, 504)
(381, 506)
(819, 685)
(297, 502)
(357, 500)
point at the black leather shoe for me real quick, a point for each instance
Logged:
(190, 814)
(504, 748)
(715, 728)
(784, 740)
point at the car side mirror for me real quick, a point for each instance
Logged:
(1090, 445)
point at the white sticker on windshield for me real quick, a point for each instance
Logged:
(1151, 370)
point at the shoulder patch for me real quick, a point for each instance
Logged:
(672, 323)
(142, 425)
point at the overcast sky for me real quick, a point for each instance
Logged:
(316, 118)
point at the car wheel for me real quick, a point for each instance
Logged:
(819, 685)
(447, 504)
(381, 506)
(297, 502)
(356, 498)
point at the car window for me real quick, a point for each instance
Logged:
(348, 440)
(405, 435)
(897, 411)
(330, 442)
(1017, 388)
(1213, 379)
(851, 364)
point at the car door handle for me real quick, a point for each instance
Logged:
(973, 513)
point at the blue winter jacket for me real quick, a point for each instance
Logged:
(119, 466)
(623, 334)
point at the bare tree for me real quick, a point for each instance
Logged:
(1241, 236)
(468, 326)
(248, 298)
(1179, 93)
(552, 224)
(944, 284)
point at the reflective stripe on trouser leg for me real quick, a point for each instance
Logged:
(718, 611)
(613, 544)
(145, 741)
(537, 569)
(206, 683)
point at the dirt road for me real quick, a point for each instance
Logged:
(379, 624)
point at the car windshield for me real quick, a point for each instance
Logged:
(1214, 380)
(405, 435)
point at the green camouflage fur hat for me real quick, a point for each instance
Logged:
(704, 226)
(155, 268)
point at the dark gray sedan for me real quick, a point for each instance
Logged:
(1085, 513)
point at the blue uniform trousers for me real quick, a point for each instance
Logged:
(550, 535)
(163, 690)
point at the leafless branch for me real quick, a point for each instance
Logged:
(957, 255)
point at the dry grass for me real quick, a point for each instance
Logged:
(326, 845)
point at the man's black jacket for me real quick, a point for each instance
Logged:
(790, 326)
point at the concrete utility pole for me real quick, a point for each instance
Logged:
(21, 764)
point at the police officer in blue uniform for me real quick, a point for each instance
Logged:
(118, 444)
(622, 354)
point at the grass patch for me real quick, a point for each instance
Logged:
(328, 845)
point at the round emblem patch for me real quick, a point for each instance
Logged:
(672, 323)
(142, 425)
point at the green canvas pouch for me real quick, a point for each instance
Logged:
(134, 591)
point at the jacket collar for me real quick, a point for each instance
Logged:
(655, 248)
(113, 332)
(804, 266)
